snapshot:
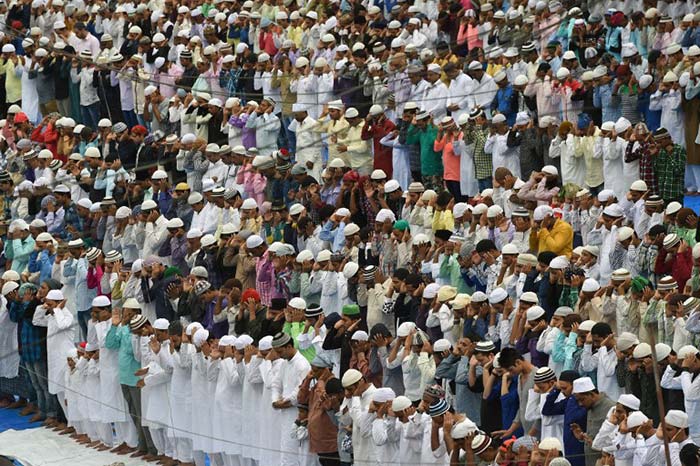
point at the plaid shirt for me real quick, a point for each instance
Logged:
(228, 80)
(264, 277)
(32, 339)
(640, 152)
(670, 172)
(483, 163)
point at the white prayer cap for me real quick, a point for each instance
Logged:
(191, 328)
(624, 233)
(626, 340)
(498, 295)
(541, 212)
(351, 377)
(551, 443)
(459, 209)
(586, 325)
(641, 351)
(360, 335)
(464, 428)
(662, 351)
(645, 81)
(441, 345)
(494, 211)
(253, 241)
(9, 287)
(131, 303)
(243, 341)
(622, 124)
(431, 291)
(613, 210)
(297, 303)
(583, 385)
(350, 270)
(405, 329)
(530, 297)
(630, 401)
(400, 403)
(550, 169)
(265, 343)
(101, 301)
(249, 203)
(590, 285)
(686, 350)
(636, 419)
(227, 340)
(323, 255)
(534, 313)
(10, 275)
(499, 118)
(673, 207)
(53, 295)
(200, 337)
(382, 395)
(559, 262)
(677, 418)
(161, 324)
(563, 73)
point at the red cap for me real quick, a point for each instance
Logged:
(250, 293)
(352, 175)
(140, 130)
(21, 117)
(17, 24)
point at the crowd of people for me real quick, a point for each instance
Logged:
(338, 232)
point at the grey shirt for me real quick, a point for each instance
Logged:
(596, 415)
(525, 384)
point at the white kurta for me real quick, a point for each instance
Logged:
(113, 407)
(286, 387)
(201, 426)
(251, 408)
(503, 156)
(362, 443)
(270, 431)
(59, 339)
(181, 391)
(9, 347)
(227, 406)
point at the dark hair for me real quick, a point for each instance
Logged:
(677, 298)
(485, 245)
(175, 328)
(689, 454)
(401, 274)
(443, 198)
(572, 319)
(379, 329)
(333, 386)
(601, 329)
(413, 279)
(232, 283)
(509, 356)
(365, 233)
(325, 212)
(546, 257)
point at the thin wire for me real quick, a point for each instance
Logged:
(259, 447)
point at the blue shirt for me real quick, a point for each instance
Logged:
(602, 96)
(42, 262)
(32, 339)
(119, 338)
(77, 271)
(334, 236)
(573, 413)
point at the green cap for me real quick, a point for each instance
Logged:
(351, 310)
(401, 225)
(170, 271)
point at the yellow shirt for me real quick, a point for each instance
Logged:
(358, 155)
(295, 34)
(558, 239)
(335, 131)
(13, 83)
(443, 220)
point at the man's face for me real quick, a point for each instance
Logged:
(565, 387)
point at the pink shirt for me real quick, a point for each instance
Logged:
(450, 161)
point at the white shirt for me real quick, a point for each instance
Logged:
(59, 339)
(604, 361)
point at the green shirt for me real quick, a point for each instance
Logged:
(294, 329)
(430, 161)
(669, 168)
(119, 338)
